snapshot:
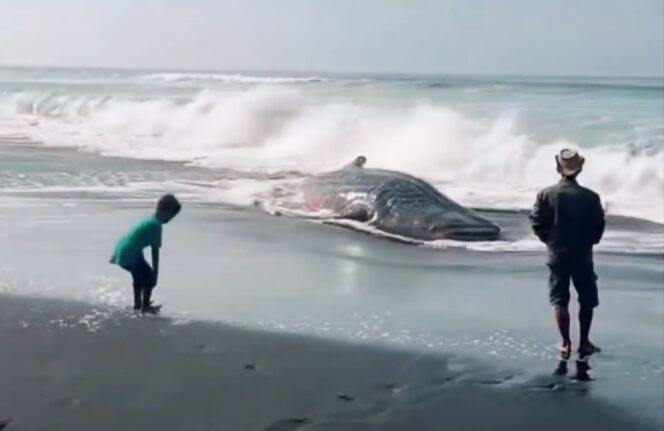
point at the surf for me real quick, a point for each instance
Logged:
(495, 161)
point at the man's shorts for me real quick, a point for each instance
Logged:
(578, 270)
(141, 274)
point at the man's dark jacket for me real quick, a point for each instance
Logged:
(568, 218)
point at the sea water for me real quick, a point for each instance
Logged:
(85, 153)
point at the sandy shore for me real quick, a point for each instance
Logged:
(71, 366)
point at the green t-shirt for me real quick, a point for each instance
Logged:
(129, 250)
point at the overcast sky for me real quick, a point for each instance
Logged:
(551, 37)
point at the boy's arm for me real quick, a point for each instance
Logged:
(155, 264)
(156, 245)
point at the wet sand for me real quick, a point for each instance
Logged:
(71, 366)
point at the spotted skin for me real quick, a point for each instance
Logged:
(396, 203)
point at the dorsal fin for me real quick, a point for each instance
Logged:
(357, 163)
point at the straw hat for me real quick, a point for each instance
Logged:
(569, 162)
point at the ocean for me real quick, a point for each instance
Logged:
(86, 152)
(485, 141)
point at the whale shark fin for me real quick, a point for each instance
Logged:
(359, 162)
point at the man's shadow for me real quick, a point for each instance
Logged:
(582, 368)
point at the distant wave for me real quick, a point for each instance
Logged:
(111, 77)
(616, 84)
(590, 86)
(229, 78)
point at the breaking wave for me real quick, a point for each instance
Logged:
(494, 162)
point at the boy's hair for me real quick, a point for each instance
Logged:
(168, 203)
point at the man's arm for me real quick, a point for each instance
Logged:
(155, 264)
(600, 221)
(541, 218)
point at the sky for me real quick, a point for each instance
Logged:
(536, 37)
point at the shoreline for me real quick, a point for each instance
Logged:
(511, 216)
(74, 366)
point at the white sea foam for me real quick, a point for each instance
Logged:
(493, 163)
(623, 242)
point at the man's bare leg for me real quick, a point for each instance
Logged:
(585, 321)
(562, 319)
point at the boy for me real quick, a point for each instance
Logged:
(569, 219)
(128, 252)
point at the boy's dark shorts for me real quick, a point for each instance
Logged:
(580, 271)
(141, 274)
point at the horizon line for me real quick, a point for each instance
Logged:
(321, 72)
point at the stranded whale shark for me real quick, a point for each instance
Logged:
(395, 203)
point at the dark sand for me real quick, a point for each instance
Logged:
(112, 370)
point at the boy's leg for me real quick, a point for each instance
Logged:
(137, 297)
(147, 281)
(141, 273)
(147, 295)
(136, 283)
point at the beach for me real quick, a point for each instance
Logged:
(132, 373)
(273, 320)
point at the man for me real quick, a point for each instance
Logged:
(569, 219)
